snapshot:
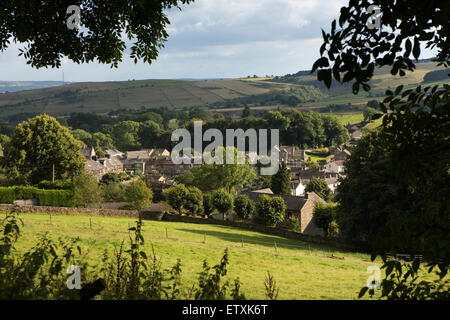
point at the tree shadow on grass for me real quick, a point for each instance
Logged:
(229, 234)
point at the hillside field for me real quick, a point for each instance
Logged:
(104, 97)
(302, 271)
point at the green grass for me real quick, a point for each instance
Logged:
(351, 118)
(302, 271)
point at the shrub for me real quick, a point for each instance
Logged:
(194, 201)
(223, 201)
(138, 194)
(56, 198)
(114, 192)
(87, 190)
(244, 207)
(292, 223)
(208, 206)
(7, 195)
(324, 216)
(176, 196)
(270, 210)
(58, 185)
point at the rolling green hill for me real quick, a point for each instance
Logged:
(291, 90)
(103, 97)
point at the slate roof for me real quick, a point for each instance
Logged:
(293, 203)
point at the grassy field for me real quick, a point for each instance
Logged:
(351, 118)
(302, 271)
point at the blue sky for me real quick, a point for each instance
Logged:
(212, 39)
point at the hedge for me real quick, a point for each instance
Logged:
(58, 185)
(55, 198)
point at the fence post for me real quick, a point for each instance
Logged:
(242, 241)
(276, 249)
(204, 238)
(50, 218)
(167, 235)
(90, 223)
(309, 248)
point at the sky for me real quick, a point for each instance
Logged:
(211, 39)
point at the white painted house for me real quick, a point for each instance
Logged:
(297, 188)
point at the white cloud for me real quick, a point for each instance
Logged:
(213, 38)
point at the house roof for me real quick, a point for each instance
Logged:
(112, 162)
(112, 152)
(314, 197)
(266, 191)
(332, 180)
(293, 203)
(356, 134)
(94, 165)
(140, 154)
(88, 152)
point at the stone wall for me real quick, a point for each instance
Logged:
(74, 211)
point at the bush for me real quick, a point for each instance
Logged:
(87, 190)
(223, 201)
(324, 216)
(292, 223)
(7, 195)
(270, 210)
(244, 207)
(138, 194)
(58, 185)
(208, 206)
(114, 192)
(56, 198)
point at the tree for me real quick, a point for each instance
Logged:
(125, 135)
(324, 216)
(86, 190)
(138, 194)
(114, 192)
(357, 48)
(414, 135)
(281, 181)
(176, 196)
(247, 112)
(373, 104)
(210, 177)
(208, 205)
(368, 113)
(335, 133)
(194, 201)
(40, 144)
(270, 210)
(320, 187)
(244, 207)
(104, 25)
(223, 201)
